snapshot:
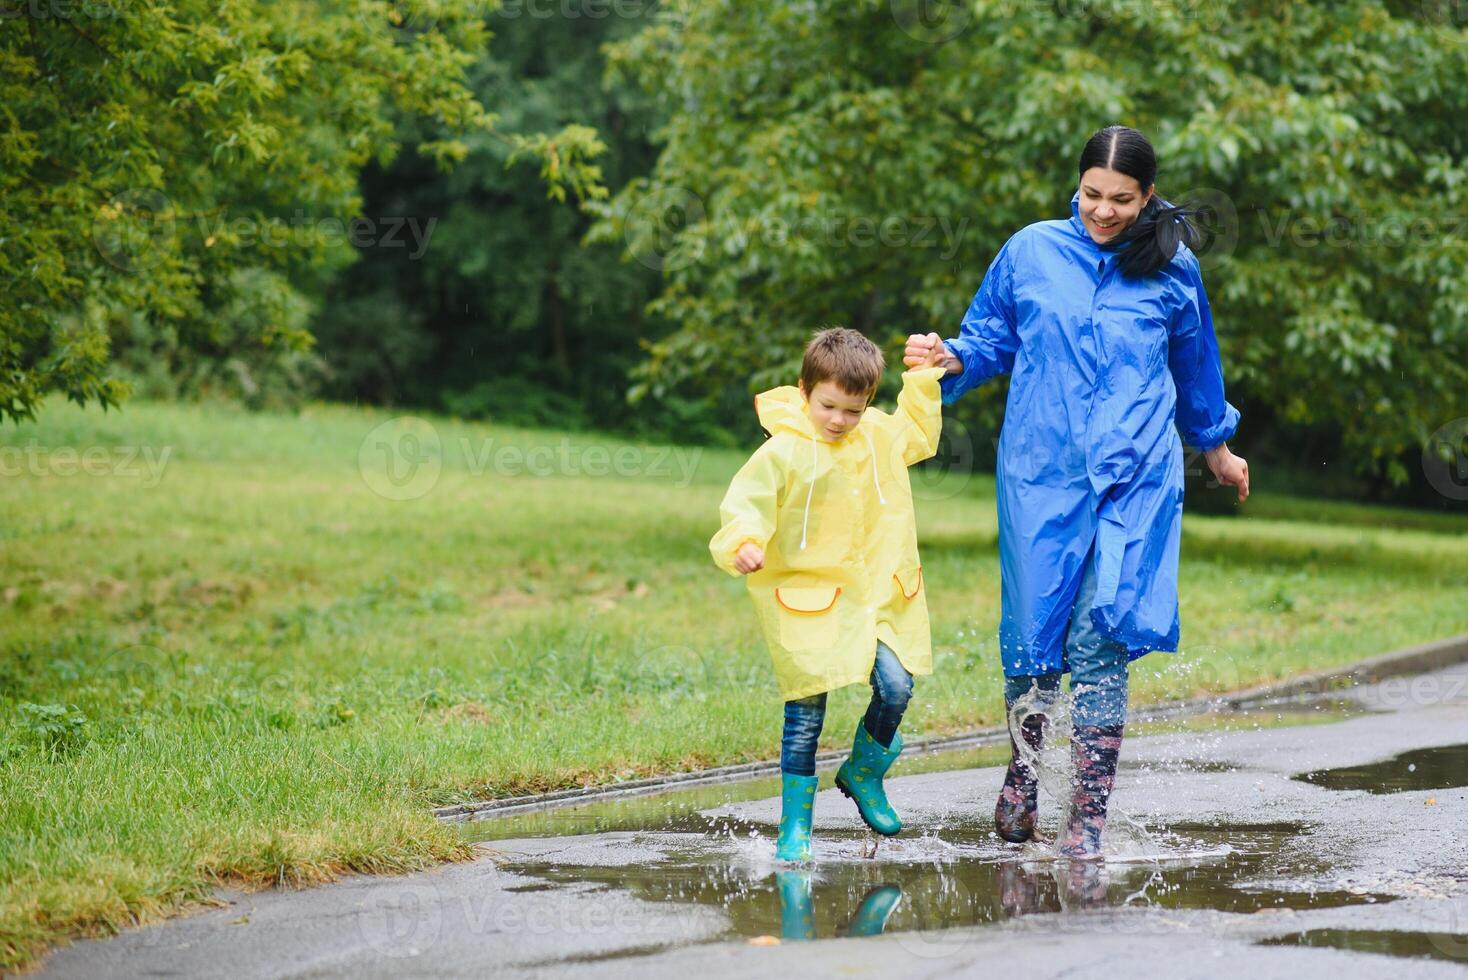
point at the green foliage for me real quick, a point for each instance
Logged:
(58, 728)
(814, 155)
(194, 165)
(503, 314)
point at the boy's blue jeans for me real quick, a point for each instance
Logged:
(891, 690)
(1098, 667)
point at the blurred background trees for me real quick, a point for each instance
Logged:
(629, 214)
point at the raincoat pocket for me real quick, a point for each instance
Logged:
(909, 581)
(906, 611)
(807, 616)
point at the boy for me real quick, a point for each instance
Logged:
(821, 521)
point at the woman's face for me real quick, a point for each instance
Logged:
(1110, 201)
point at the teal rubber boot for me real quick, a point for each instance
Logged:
(871, 917)
(797, 800)
(796, 918)
(860, 778)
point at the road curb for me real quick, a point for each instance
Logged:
(1419, 659)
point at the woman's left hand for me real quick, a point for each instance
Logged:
(928, 350)
(1228, 469)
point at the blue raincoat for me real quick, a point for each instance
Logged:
(1102, 366)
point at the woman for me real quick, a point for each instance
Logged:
(1105, 326)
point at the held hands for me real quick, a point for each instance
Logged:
(929, 351)
(749, 558)
(1228, 469)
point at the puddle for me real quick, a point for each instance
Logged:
(960, 876)
(1414, 945)
(1443, 767)
(685, 847)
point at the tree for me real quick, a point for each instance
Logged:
(504, 314)
(816, 153)
(193, 164)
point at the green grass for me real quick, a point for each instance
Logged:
(252, 668)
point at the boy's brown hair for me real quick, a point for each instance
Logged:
(844, 356)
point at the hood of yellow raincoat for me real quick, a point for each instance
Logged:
(783, 409)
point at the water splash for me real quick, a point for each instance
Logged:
(1125, 839)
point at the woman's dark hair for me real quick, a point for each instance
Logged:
(1149, 242)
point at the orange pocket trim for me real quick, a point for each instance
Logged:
(903, 589)
(808, 612)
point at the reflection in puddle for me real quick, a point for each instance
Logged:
(1443, 767)
(1421, 945)
(961, 877)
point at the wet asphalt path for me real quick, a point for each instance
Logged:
(1253, 867)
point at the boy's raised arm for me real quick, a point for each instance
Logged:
(748, 509)
(920, 413)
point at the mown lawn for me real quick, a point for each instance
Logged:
(257, 648)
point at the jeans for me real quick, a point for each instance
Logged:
(891, 690)
(1098, 667)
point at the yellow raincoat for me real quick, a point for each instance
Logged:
(835, 521)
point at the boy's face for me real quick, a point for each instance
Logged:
(833, 410)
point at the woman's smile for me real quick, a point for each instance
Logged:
(1109, 202)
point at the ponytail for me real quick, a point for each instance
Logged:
(1150, 242)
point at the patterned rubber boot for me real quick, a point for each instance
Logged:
(796, 920)
(872, 915)
(797, 800)
(1014, 814)
(1094, 749)
(860, 778)
(1020, 891)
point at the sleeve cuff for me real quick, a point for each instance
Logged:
(1216, 435)
(951, 386)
